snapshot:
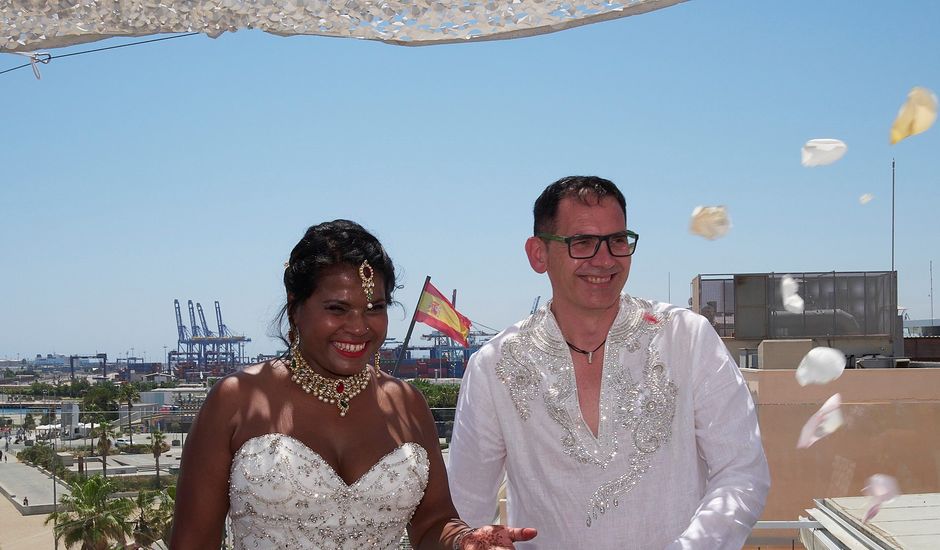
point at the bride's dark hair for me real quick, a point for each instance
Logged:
(323, 246)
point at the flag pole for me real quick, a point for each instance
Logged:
(404, 346)
(453, 302)
(892, 214)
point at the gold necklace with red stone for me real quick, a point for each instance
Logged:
(338, 391)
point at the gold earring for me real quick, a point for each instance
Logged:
(378, 361)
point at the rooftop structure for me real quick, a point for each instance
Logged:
(856, 312)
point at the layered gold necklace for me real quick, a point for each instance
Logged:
(338, 391)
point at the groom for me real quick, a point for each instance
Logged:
(617, 422)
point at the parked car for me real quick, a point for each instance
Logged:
(122, 442)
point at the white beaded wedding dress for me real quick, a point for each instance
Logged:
(284, 495)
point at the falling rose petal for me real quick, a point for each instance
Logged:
(820, 152)
(711, 222)
(788, 293)
(881, 489)
(916, 115)
(788, 286)
(650, 318)
(793, 304)
(866, 198)
(826, 420)
(820, 366)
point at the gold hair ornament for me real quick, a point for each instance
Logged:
(368, 282)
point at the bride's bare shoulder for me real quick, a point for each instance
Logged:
(265, 377)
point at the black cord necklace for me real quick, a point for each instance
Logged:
(590, 354)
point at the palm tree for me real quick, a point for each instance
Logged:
(90, 517)
(29, 423)
(155, 516)
(166, 510)
(157, 441)
(105, 436)
(146, 531)
(92, 414)
(129, 393)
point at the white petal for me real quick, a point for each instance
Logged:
(820, 366)
(916, 115)
(711, 222)
(866, 198)
(793, 304)
(825, 421)
(788, 286)
(820, 152)
(882, 489)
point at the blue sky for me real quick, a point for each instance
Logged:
(189, 168)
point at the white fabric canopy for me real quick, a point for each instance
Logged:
(30, 25)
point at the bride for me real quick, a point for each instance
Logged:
(317, 449)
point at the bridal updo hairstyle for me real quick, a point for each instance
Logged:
(322, 247)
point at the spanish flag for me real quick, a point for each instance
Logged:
(437, 312)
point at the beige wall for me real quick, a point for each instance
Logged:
(850, 345)
(782, 354)
(891, 427)
(735, 345)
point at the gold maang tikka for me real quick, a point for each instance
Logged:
(368, 282)
(368, 286)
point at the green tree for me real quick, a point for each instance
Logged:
(157, 447)
(47, 418)
(38, 389)
(438, 395)
(29, 422)
(42, 454)
(91, 518)
(145, 530)
(167, 508)
(129, 394)
(105, 436)
(78, 388)
(91, 415)
(104, 396)
(154, 516)
(145, 386)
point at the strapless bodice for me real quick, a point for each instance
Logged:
(284, 495)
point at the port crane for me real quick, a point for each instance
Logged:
(200, 349)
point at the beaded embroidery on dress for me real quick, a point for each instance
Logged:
(284, 495)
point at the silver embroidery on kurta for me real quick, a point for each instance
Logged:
(536, 361)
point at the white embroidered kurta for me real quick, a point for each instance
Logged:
(677, 462)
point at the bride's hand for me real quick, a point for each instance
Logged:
(495, 537)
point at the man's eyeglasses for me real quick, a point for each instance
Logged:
(582, 247)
